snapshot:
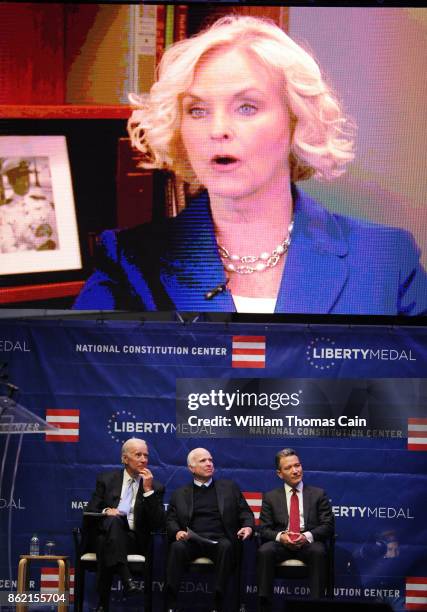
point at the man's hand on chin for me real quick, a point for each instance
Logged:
(147, 480)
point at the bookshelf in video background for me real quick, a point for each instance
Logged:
(68, 68)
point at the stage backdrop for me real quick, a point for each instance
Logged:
(351, 401)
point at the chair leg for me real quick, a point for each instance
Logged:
(22, 582)
(331, 571)
(330, 586)
(79, 589)
(237, 595)
(63, 582)
(148, 588)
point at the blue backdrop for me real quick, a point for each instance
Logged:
(351, 401)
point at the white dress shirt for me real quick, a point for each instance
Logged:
(198, 483)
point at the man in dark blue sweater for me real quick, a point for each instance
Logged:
(217, 512)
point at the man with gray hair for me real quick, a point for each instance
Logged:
(205, 518)
(295, 520)
(132, 504)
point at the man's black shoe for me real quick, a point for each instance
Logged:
(130, 588)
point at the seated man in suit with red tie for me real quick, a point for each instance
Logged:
(295, 519)
(132, 502)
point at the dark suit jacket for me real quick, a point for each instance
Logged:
(335, 264)
(318, 516)
(233, 508)
(149, 512)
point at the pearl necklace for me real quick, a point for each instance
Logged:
(241, 265)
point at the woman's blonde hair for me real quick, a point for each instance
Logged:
(322, 137)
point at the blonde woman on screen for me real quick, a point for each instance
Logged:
(241, 114)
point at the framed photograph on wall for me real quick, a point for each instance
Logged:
(38, 226)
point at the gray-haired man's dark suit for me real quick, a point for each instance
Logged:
(234, 514)
(274, 518)
(114, 539)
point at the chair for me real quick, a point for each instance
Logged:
(296, 569)
(206, 565)
(63, 578)
(85, 561)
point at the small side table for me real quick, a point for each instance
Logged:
(63, 582)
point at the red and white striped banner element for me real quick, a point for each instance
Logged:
(416, 593)
(49, 580)
(67, 422)
(248, 352)
(417, 434)
(254, 500)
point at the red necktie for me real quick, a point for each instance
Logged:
(294, 513)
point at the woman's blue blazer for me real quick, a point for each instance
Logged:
(335, 264)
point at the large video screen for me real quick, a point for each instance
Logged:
(288, 161)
